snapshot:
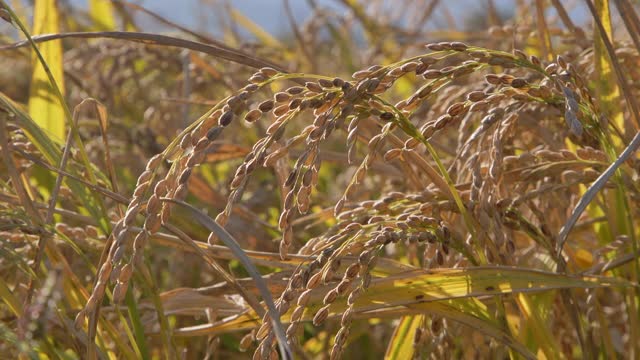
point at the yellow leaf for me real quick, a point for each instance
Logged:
(401, 344)
(608, 95)
(44, 107)
(547, 344)
(101, 12)
(450, 293)
(607, 88)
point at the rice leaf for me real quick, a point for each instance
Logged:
(102, 14)
(44, 106)
(401, 343)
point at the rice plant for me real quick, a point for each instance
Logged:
(377, 183)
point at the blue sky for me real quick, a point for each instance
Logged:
(271, 16)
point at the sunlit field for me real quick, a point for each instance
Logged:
(384, 179)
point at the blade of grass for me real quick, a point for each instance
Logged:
(149, 286)
(401, 343)
(48, 74)
(136, 322)
(228, 240)
(131, 335)
(156, 39)
(544, 337)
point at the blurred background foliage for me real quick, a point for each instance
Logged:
(85, 114)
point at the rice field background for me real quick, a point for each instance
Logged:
(397, 180)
